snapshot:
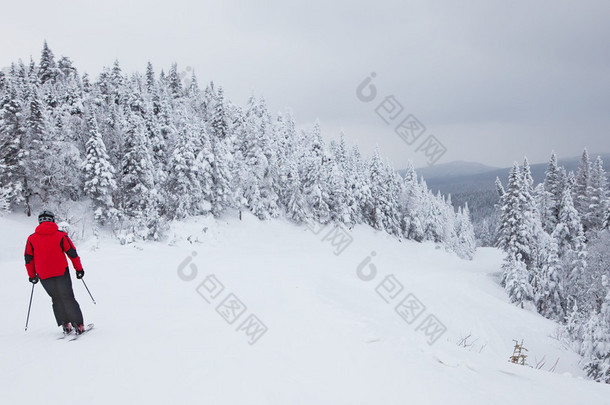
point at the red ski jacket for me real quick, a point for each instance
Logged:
(45, 252)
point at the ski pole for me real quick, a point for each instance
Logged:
(27, 320)
(85, 284)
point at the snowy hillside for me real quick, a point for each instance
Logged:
(331, 337)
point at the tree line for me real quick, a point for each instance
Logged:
(146, 149)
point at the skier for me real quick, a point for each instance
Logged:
(45, 259)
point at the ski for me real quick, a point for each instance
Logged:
(65, 335)
(87, 329)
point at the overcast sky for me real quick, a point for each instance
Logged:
(492, 81)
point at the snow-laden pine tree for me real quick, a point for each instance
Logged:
(284, 134)
(66, 68)
(271, 174)
(313, 161)
(379, 213)
(516, 281)
(297, 208)
(447, 217)
(581, 192)
(184, 191)
(538, 238)
(221, 151)
(386, 190)
(250, 162)
(138, 198)
(344, 160)
(555, 182)
(36, 143)
(569, 237)
(151, 82)
(238, 162)
(394, 191)
(117, 85)
(596, 341)
(515, 240)
(598, 263)
(174, 82)
(4, 200)
(360, 188)
(337, 193)
(599, 202)
(13, 155)
(204, 161)
(412, 206)
(545, 206)
(48, 68)
(60, 158)
(465, 245)
(499, 188)
(192, 91)
(98, 172)
(434, 224)
(549, 199)
(551, 301)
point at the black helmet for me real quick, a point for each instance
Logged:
(46, 216)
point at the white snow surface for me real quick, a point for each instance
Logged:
(330, 339)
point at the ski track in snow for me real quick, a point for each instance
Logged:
(331, 338)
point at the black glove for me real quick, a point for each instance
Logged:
(80, 274)
(34, 279)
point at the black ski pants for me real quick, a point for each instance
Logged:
(65, 307)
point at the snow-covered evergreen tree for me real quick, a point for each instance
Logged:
(13, 154)
(598, 196)
(512, 234)
(150, 78)
(379, 212)
(223, 193)
(581, 192)
(48, 68)
(204, 161)
(314, 160)
(538, 239)
(360, 188)
(596, 341)
(519, 236)
(337, 193)
(394, 191)
(549, 197)
(555, 179)
(98, 172)
(174, 82)
(569, 236)
(465, 245)
(297, 208)
(434, 224)
(516, 282)
(551, 299)
(183, 188)
(412, 206)
(35, 142)
(137, 180)
(4, 200)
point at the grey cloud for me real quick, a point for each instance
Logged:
(493, 80)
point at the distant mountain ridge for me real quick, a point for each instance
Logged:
(454, 169)
(462, 176)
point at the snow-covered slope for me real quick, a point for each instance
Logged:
(331, 337)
